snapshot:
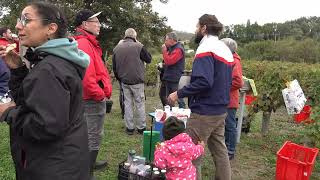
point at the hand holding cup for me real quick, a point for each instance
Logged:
(10, 56)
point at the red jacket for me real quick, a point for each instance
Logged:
(5, 42)
(96, 82)
(171, 58)
(237, 82)
(176, 156)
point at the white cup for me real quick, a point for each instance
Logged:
(187, 112)
(175, 110)
(158, 114)
(167, 109)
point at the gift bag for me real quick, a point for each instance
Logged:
(294, 98)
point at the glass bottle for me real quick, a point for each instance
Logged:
(155, 175)
(131, 155)
(163, 174)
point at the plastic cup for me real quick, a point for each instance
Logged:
(175, 110)
(167, 109)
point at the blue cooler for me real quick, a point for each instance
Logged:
(158, 127)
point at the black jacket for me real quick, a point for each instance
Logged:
(49, 139)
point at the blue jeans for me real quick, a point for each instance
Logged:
(231, 131)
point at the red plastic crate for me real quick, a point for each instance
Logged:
(304, 114)
(295, 162)
(249, 99)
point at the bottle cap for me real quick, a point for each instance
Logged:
(156, 172)
(155, 169)
(126, 164)
(163, 171)
(132, 151)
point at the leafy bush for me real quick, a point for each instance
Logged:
(270, 78)
(152, 70)
(290, 50)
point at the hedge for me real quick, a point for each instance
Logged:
(270, 78)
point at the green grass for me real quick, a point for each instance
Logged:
(255, 159)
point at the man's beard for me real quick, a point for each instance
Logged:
(198, 37)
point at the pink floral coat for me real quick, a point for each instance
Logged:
(175, 155)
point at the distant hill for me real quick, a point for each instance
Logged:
(183, 36)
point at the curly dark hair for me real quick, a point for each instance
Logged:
(52, 14)
(3, 30)
(172, 127)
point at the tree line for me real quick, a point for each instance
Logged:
(295, 41)
(304, 27)
(116, 17)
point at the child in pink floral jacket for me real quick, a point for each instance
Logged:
(176, 153)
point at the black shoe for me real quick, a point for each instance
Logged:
(140, 131)
(129, 131)
(93, 157)
(100, 165)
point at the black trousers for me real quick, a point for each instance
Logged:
(172, 87)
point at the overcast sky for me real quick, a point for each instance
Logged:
(183, 14)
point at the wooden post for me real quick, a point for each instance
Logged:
(265, 122)
(241, 112)
(246, 87)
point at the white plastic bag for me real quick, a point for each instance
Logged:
(294, 98)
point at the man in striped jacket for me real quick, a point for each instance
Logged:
(208, 94)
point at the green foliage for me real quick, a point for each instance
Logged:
(313, 130)
(294, 41)
(116, 17)
(189, 61)
(152, 72)
(299, 29)
(183, 36)
(154, 50)
(306, 50)
(270, 79)
(189, 55)
(192, 44)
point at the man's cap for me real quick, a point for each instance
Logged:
(84, 15)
